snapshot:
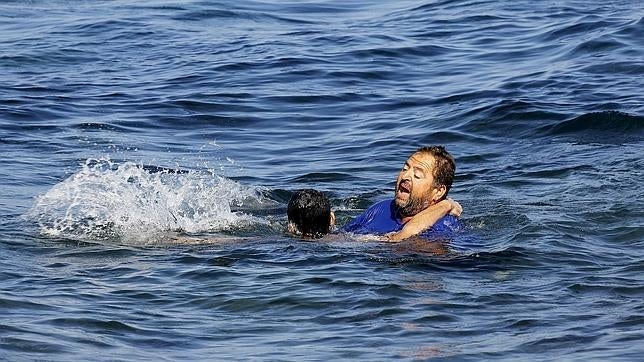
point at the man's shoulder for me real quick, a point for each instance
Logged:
(381, 209)
(447, 225)
(378, 218)
(385, 204)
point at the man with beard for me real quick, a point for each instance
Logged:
(420, 204)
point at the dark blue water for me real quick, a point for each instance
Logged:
(149, 149)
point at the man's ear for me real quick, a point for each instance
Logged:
(332, 222)
(439, 193)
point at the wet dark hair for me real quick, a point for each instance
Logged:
(444, 168)
(310, 211)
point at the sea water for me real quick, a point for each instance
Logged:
(149, 150)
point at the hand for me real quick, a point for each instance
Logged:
(456, 208)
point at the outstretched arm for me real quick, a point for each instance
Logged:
(426, 219)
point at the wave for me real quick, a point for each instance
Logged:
(523, 119)
(600, 122)
(107, 200)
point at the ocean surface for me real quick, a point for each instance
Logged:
(149, 148)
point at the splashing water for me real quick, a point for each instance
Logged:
(107, 200)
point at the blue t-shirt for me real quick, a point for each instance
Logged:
(382, 218)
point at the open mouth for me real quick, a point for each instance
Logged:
(404, 189)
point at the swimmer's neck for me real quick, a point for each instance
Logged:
(403, 219)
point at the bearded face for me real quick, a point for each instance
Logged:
(413, 204)
(415, 189)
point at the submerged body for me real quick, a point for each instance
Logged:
(383, 218)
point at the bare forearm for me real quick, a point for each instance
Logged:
(423, 220)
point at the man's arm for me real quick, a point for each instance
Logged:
(426, 219)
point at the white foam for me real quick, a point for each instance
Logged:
(108, 200)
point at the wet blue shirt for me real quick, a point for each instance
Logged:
(381, 218)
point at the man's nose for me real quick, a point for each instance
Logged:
(406, 175)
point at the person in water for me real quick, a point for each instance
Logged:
(420, 203)
(309, 214)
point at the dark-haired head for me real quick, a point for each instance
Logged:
(444, 166)
(309, 213)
